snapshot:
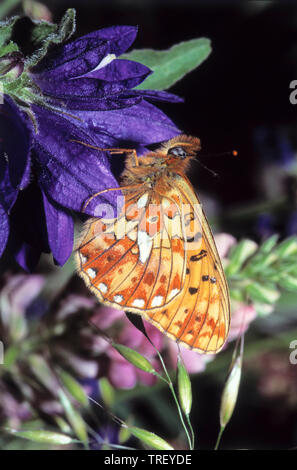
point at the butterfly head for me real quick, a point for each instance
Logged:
(173, 156)
(180, 150)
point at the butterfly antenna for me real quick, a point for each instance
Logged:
(234, 153)
(208, 169)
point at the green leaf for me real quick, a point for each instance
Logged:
(268, 244)
(263, 309)
(42, 371)
(77, 423)
(6, 28)
(287, 248)
(239, 254)
(8, 48)
(171, 65)
(262, 293)
(47, 437)
(288, 282)
(107, 391)
(73, 387)
(150, 439)
(11, 356)
(237, 294)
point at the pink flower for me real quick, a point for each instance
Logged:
(194, 362)
(224, 242)
(242, 316)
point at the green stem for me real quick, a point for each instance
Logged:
(252, 349)
(191, 430)
(7, 6)
(219, 437)
(171, 387)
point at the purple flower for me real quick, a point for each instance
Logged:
(15, 146)
(90, 97)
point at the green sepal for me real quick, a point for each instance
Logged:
(38, 38)
(45, 34)
(6, 29)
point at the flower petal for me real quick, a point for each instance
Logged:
(83, 55)
(15, 142)
(60, 229)
(122, 375)
(4, 229)
(156, 95)
(27, 256)
(70, 173)
(142, 123)
(127, 72)
(224, 242)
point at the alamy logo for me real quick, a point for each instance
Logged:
(293, 94)
(293, 354)
(1, 353)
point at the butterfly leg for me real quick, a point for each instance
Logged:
(111, 150)
(106, 191)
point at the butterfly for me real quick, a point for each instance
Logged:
(157, 257)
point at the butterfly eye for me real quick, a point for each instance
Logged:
(177, 152)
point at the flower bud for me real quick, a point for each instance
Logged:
(45, 437)
(134, 358)
(184, 387)
(150, 439)
(230, 392)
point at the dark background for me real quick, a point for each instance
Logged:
(237, 99)
(241, 90)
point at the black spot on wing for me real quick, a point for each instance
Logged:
(193, 290)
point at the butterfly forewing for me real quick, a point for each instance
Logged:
(139, 267)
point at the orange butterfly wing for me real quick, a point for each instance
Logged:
(131, 262)
(160, 261)
(199, 317)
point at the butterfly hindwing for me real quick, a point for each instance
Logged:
(199, 317)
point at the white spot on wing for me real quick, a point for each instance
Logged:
(173, 293)
(138, 303)
(145, 245)
(157, 301)
(165, 202)
(83, 259)
(102, 287)
(92, 273)
(118, 298)
(142, 201)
